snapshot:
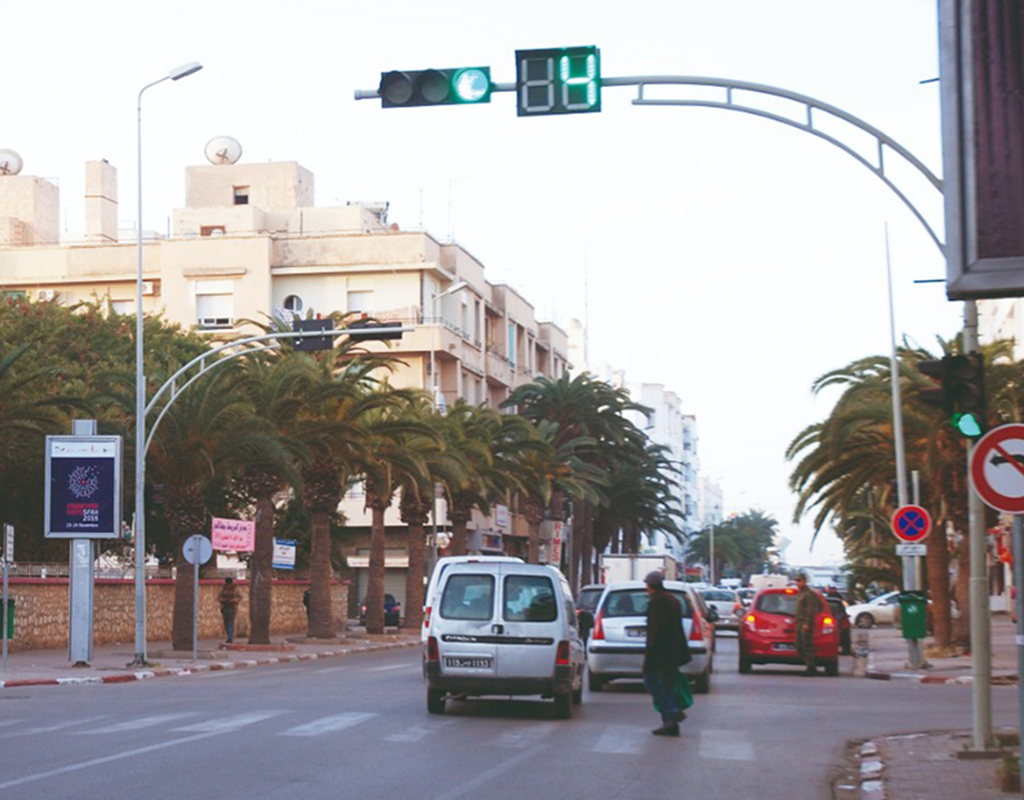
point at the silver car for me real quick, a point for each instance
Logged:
(728, 605)
(616, 647)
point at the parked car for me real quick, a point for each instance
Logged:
(879, 611)
(616, 647)
(392, 611)
(504, 628)
(727, 604)
(838, 606)
(768, 632)
(586, 608)
(439, 569)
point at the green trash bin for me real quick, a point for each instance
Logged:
(914, 615)
(9, 631)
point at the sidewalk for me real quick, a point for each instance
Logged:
(110, 663)
(937, 765)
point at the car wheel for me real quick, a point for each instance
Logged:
(595, 683)
(435, 701)
(832, 668)
(702, 683)
(744, 666)
(563, 705)
(864, 621)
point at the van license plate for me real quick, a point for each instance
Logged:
(785, 647)
(637, 633)
(468, 663)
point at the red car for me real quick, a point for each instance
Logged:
(767, 634)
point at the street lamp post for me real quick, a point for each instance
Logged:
(433, 317)
(140, 393)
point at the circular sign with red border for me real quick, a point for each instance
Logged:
(997, 468)
(911, 523)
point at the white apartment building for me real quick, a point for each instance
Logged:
(250, 242)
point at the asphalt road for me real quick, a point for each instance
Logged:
(358, 728)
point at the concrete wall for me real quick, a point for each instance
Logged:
(41, 611)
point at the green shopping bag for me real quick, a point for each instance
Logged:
(684, 696)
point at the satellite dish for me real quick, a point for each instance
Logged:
(10, 162)
(223, 150)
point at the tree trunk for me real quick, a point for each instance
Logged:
(375, 579)
(587, 574)
(459, 514)
(937, 565)
(415, 513)
(184, 599)
(262, 574)
(321, 605)
(962, 625)
(533, 510)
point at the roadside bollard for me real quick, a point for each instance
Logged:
(860, 655)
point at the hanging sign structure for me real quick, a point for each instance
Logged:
(997, 468)
(911, 523)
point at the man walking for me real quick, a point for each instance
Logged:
(663, 653)
(229, 599)
(808, 604)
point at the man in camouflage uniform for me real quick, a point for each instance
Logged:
(808, 604)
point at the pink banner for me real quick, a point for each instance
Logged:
(236, 535)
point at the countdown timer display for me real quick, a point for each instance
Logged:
(564, 80)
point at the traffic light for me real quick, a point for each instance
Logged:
(314, 326)
(435, 87)
(961, 390)
(365, 329)
(563, 80)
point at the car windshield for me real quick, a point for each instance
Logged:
(469, 597)
(633, 603)
(720, 597)
(588, 599)
(777, 604)
(529, 598)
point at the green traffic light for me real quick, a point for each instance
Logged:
(967, 424)
(472, 85)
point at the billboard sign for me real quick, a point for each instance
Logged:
(235, 535)
(83, 487)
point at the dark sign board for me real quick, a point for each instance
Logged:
(83, 487)
(982, 66)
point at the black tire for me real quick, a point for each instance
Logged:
(435, 701)
(832, 668)
(745, 666)
(594, 683)
(563, 705)
(864, 620)
(577, 694)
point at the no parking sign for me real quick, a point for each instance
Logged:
(911, 523)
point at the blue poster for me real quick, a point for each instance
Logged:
(83, 492)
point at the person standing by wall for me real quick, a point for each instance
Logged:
(663, 653)
(229, 599)
(808, 604)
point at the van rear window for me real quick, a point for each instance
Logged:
(469, 597)
(529, 598)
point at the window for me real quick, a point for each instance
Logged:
(122, 307)
(469, 597)
(215, 304)
(13, 294)
(293, 303)
(784, 604)
(360, 302)
(241, 195)
(512, 344)
(212, 230)
(529, 598)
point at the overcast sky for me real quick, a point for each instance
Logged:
(729, 257)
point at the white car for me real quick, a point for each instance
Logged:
(728, 605)
(880, 611)
(616, 646)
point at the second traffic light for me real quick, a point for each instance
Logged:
(961, 391)
(435, 87)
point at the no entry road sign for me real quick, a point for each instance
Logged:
(997, 468)
(911, 523)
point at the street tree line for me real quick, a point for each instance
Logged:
(845, 471)
(279, 436)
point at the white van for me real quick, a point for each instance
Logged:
(504, 628)
(439, 570)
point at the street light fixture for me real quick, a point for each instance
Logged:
(456, 287)
(140, 393)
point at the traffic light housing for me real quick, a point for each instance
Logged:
(435, 87)
(311, 342)
(961, 390)
(365, 329)
(561, 80)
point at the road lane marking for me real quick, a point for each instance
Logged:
(338, 722)
(725, 745)
(622, 739)
(224, 724)
(526, 735)
(416, 733)
(484, 777)
(390, 667)
(331, 669)
(138, 724)
(56, 726)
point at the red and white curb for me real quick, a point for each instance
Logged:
(217, 666)
(872, 787)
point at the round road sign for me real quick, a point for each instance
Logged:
(197, 549)
(911, 523)
(997, 468)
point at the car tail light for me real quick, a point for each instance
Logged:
(828, 625)
(598, 632)
(562, 654)
(696, 631)
(736, 609)
(426, 616)
(751, 621)
(432, 652)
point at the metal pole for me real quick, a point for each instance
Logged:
(197, 545)
(981, 635)
(712, 554)
(5, 614)
(1018, 583)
